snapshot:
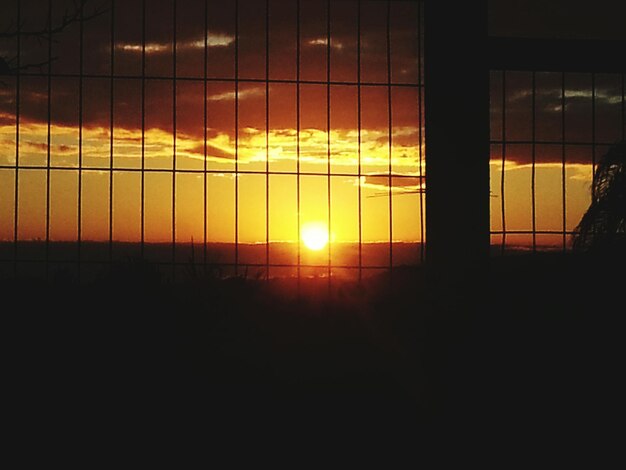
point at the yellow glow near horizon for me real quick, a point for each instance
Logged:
(315, 235)
(241, 213)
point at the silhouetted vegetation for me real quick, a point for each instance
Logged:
(409, 360)
(603, 227)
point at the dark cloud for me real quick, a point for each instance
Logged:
(124, 54)
(398, 183)
(576, 109)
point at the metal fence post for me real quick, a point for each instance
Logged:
(457, 136)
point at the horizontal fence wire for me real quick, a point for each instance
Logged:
(169, 78)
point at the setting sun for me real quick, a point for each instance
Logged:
(315, 235)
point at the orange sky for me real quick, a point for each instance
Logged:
(344, 190)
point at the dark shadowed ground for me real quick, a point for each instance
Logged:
(527, 360)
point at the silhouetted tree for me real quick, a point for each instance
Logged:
(603, 226)
(78, 12)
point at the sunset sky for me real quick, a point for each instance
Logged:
(255, 126)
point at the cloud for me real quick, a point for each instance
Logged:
(8, 120)
(212, 40)
(242, 94)
(321, 41)
(151, 47)
(399, 183)
(546, 154)
(602, 95)
(575, 171)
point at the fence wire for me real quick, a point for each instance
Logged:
(96, 79)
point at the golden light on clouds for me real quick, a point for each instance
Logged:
(158, 145)
(239, 193)
(237, 190)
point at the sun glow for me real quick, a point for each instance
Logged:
(314, 235)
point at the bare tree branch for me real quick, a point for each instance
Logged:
(77, 14)
(69, 17)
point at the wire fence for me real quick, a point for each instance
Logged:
(548, 131)
(217, 139)
(204, 137)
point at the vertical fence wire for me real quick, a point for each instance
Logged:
(267, 139)
(17, 139)
(236, 137)
(419, 129)
(359, 143)
(111, 130)
(143, 125)
(533, 177)
(298, 202)
(623, 110)
(593, 136)
(205, 201)
(79, 221)
(174, 132)
(563, 160)
(390, 131)
(502, 173)
(328, 168)
(48, 136)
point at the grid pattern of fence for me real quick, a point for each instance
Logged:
(200, 135)
(548, 130)
(112, 145)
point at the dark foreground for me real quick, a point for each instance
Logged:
(527, 359)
